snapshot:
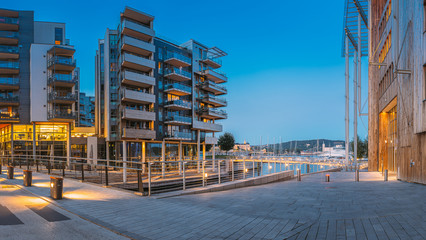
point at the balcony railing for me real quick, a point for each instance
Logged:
(182, 103)
(61, 60)
(9, 116)
(62, 96)
(61, 114)
(178, 56)
(9, 20)
(69, 78)
(9, 49)
(9, 81)
(177, 134)
(212, 97)
(216, 71)
(177, 71)
(216, 60)
(211, 83)
(214, 111)
(7, 98)
(8, 34)
(178, 86)
(178, 118)
(9, 64)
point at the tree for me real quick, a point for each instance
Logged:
(208, 147)
(226, 142)
(362, 147)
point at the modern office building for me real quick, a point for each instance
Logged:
(397, 88)
(38, 86)
(86, 116)
(156, 98)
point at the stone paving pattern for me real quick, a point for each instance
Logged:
(310, 209)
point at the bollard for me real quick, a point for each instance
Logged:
(56, 187)
(106, 175)
(327, 177)
(386, 175)
(28, 178)
(299, 175)
(357, 175)
(149, 179)
(9, 172)
(183, 175)
(307, 168)
(140, 184)
(1, 168)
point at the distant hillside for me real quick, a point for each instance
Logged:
(303, 145)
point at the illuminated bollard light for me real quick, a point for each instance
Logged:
(28, 178)
(327, 177)
(56, 187)
(386, 175)
(299, 175)
(9, 172)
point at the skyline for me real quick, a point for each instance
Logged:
(297, 85)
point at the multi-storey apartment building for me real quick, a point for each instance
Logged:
(86, 116)
(397, 88)
(155, 98)
(38, 85)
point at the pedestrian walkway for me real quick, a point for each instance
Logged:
(310, 209)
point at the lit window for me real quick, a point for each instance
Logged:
(59, 36)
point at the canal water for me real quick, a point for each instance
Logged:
(268, 168)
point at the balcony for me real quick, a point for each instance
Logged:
(59, 63)
(6, 100)
(62, 97)
(213, 62)
(62, 80)
(9, 23)
(134, 114)
(178, 105)
(136, 30)
(212, 100)
(178, 120)
(137, 96)
(9, 37)
(137, 46)
(9, 117)
(215, 76)
(177, 89)
(132, 133)
(177, 74)
(211, 113)
(177, 60)
(9, 67)
(210, 140)
(7, 83)
(206, 126)
(214, 88)
(61, 116)
(136, 62)
(62, 51)
(137, 79)
(9, 52)
(176, 135)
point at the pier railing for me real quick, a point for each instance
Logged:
(156, 176)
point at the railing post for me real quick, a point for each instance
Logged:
(20, 162)
(244, 168)
(204, 172)
(386, 175)
(149, 179)
(183, 176)
(82, 172)
(299, 175)
(357, 175)
(232, 167)
(63, 169)
(48, 167)
(218, 171)
(253, 168)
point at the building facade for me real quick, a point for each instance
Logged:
(397, 88)
(38, 86)
(86, 116)
(155, 98)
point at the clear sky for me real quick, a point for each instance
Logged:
(284, 64)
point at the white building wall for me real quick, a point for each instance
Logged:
(38, 82)
(44, 32)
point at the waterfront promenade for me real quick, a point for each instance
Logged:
(311, 209)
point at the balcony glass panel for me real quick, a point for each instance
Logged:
(216, 71)
(178, 118)
(9, 20)
(8, 98)
(62, 60)
(177, 86)
(9, 81)
(177, 134)
(211, 83)
(182, 103)
(9, 49)
(9, 64)
(216, 60)
(177, 71)
(178, 56)
(63, 77)
(9, 115)
(8, 34)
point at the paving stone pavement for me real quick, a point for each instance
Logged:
(310, 209)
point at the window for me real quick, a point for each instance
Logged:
(59, 36)
(424, 15)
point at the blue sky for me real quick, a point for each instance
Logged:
(284, 64)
